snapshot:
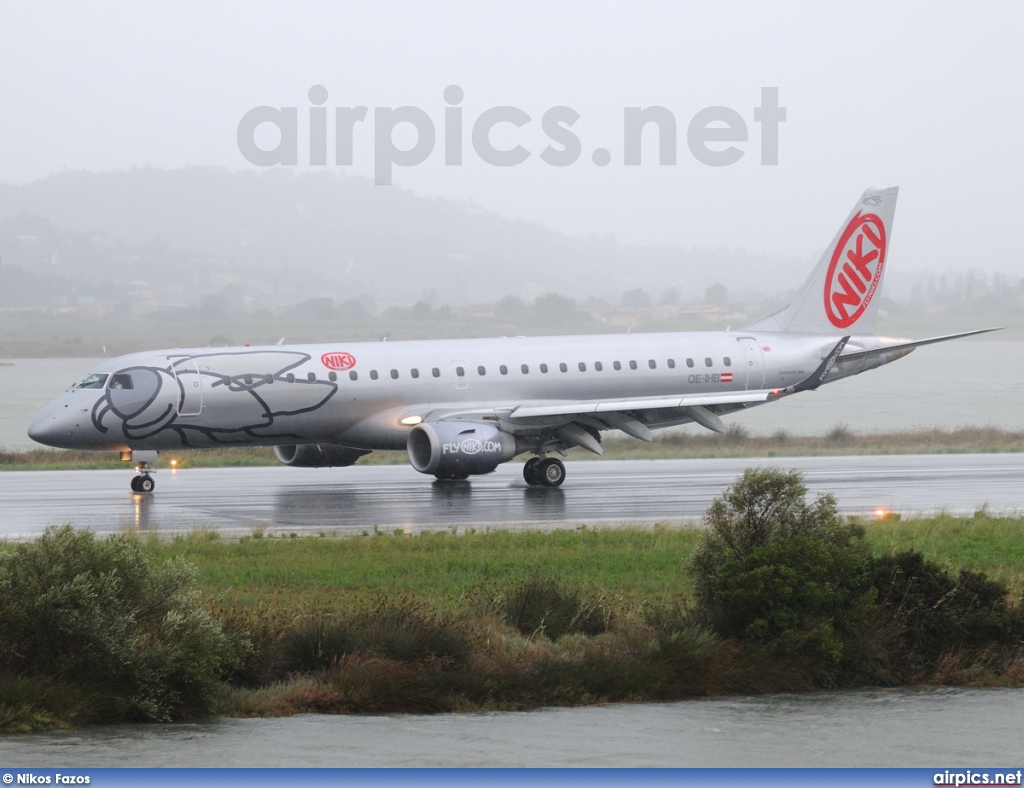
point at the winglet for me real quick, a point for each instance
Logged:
(818, 376)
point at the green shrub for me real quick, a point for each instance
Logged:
(540, 606)
(783, 574)
(97, 615)
(940, 611)
(315, 642)
(402, 631)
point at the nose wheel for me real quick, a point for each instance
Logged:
(144, 482)
(547, 472)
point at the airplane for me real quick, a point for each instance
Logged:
(461, 407)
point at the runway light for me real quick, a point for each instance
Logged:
(174, 463)
(882, 513)
(411, 421)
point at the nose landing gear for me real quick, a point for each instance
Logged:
(144, 482)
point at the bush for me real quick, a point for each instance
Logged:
(941, 612)
(781, 573)
(394, 631)
(96, 614)
(539, 606)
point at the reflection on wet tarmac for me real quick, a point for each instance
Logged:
(350, 500)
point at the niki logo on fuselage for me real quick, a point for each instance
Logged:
(147, 401)
(855, 270)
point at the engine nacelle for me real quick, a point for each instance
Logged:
(318, 455)
(457, 449)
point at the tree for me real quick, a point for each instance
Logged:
(554, 308)
(782, 573)
(511, 308)
(98, 615)
(670, 297)
(716, 295)
(636, 300)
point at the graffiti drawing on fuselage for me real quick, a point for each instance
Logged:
(151, 400)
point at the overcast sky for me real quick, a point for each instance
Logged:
(927, 96)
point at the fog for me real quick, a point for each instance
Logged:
(926, 96)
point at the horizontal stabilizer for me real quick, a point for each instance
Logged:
(878, 351)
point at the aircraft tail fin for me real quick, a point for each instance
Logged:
(841, 294)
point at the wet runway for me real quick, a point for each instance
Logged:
(351, 500)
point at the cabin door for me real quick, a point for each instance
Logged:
(190, 385)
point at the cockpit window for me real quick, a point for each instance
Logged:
(92, 382)
(122, 380)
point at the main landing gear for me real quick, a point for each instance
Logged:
(144, 482)
(544, 472)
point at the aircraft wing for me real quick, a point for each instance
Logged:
(576, 419)
(530, 411)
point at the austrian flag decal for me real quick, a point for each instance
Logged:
(855, 270)
(338, 360)
(726, 377)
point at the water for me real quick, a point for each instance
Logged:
(961, 383)
(945, 728)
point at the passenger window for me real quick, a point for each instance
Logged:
(248, 380)
(435, 372)
(728, 361)
(122, 380)
(689, 363)
(460, 372)
(332, 376)
(632, 365)
(598, 366)
(582, 366)
(290, 378)
(415, 373)
(394, 374)
(707, 362)
(93, 382)
(503, 369)
(373, 374)
(671, 363)
(311, 377)
(544, 368)
(353, 375)
(525, 369)
(617, 366)
(652, 363)
(481, 371)
(268, 378)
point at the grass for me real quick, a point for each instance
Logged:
(736, 442)
(443, 569)
(629, 566)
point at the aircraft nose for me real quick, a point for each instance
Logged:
(44, 428)
(54, 426)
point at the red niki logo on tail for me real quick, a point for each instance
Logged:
(339, 361)
(855, 270)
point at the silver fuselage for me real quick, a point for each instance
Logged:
(358, 394)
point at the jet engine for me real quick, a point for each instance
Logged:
(457, 449)
(318, 455)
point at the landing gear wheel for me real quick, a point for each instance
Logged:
(143, 484)
(530, 471)
(551, 472)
